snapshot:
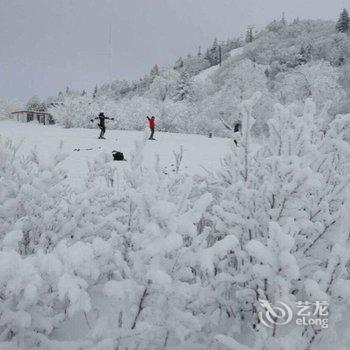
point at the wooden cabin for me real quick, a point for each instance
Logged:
(27, 116)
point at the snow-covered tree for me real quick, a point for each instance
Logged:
(249, 35)
(179, 64)
(212, 54)
(343, 23)
(75, 111)
(154, 72)
(94, 94)
(34, 104)
(183, 88)
(164, 85)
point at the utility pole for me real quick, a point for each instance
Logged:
(220, 56)
(110, 53)
(283, 19)
(249, 36)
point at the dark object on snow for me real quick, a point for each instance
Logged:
(85, 149)
(118, 155)
(210, 135)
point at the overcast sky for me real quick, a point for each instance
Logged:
(46, 45)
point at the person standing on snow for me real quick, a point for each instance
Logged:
(152, 125)
(101, 123)
(237, 132)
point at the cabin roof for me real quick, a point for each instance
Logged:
(34, 112)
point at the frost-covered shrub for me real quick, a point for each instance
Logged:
(33, 198)
(318, 81)
(284, 202)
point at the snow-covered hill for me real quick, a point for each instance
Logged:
(287, 62)
(204, 74)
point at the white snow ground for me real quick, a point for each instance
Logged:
(199, 151)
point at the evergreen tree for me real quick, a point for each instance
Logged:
(60, 96)
(179, 63)
(184, 88)
(249, 36)
(94, 94)
(34, 104)
(343, 23)
(154, 72)
(212, 54)
(305, 54)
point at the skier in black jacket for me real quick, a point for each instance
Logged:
(101, 123)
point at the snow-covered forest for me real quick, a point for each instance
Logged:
(286, 62)
(136, 257)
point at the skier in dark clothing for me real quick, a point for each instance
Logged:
(101, 123)
(152, 125)
(236, 129)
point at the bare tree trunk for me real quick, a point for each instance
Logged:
(140, 308)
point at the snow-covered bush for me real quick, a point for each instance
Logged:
(284, 202)
(318, 81)
(33, 197)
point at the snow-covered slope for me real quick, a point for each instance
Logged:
(199, 151)
(204, 74)
(236, 52)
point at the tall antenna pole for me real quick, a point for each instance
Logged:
(110, 52)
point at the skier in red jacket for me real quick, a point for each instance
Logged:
(152, 125)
